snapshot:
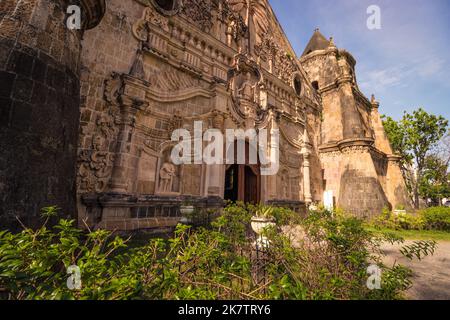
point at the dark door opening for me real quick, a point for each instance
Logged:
(232, 183)
(242, 183)
(251, 185)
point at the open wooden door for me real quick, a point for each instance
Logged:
(243, 182)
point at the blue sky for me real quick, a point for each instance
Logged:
(406, 64)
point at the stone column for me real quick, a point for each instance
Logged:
(131, 101)
(39, 106)
(306, 151)
(272, 179)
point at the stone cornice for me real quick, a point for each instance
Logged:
(365, 144)
(339, 146)
(361, 96)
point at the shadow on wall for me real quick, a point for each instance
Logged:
(361, 196)
(401, 197)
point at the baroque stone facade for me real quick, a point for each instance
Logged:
(153, 66)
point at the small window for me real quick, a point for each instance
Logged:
(297, 85)
(167, 5)
(315, 85)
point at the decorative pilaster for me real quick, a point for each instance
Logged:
(131, 101)
(306, 152)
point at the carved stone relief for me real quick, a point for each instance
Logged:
(200, 12)
(168, 175)
(96, 163)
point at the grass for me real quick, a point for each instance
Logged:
(415, 234)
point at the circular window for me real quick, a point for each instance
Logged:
(297, 85)
(167, 7)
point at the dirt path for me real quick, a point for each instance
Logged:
(431, 279)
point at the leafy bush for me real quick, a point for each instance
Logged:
(437, 218)
(326, 257)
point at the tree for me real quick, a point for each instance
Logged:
(413, 138)
(435, 180)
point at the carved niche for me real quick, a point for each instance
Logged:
(168, 175)
(247, 88)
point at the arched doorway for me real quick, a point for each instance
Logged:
(243, 181)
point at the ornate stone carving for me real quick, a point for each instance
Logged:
(96, 163)
(218, 120)
(141, 27)
(230, 15)
(176, 122)
(281, 63)
(113, 89)
(246, 84)
(172, 80)
(355, 149)
(200, 12)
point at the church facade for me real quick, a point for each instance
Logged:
(149, 67)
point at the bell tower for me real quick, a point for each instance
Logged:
(356, 158)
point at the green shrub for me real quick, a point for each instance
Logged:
(436, 218)
(328, 262)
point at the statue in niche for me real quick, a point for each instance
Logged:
(167, 175)
(247, 89)
(263, 98)
(231, 32)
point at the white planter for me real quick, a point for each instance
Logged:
(260, 224)
(400, 212)
(187, 210)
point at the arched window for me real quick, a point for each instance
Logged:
(315, 85)
(297, 85)
(167, 5)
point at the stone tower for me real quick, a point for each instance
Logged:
(39, 106)
(357, 160)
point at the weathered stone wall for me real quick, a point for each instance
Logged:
(108, 48)
(353, 178)
(39, 109)
(39, 101)
(395, 185)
